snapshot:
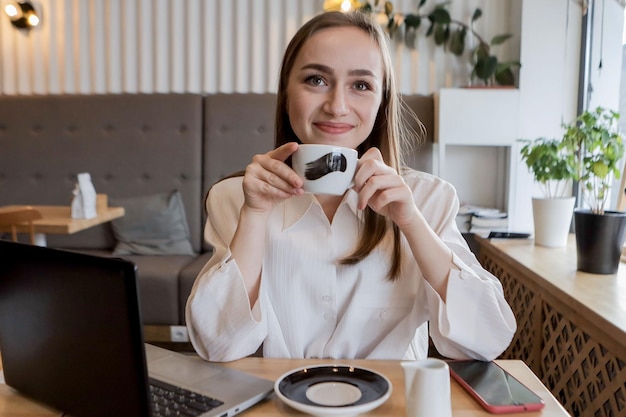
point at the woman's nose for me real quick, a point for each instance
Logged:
(336, 102)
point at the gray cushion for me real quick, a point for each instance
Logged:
(152, 225)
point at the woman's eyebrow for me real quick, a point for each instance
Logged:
(362, 72)
(319, 67)
(328, 70)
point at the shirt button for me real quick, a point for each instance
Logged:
(383, 314)
(328, 316)
(326, 298)
(465, 275)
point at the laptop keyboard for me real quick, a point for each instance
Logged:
(170, 400)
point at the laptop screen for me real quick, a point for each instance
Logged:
(70, 331)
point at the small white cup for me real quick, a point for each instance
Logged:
(325, 169)
(427, 388)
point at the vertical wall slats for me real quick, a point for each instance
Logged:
(113, 46)
(129, 46)
(5, 29)
(210, 42)
(8, 58)
(241, 46)
(23, 77)
(53, 57)
(83, 48)
(145, 67)
(161, 33)
(114, 57)
(275, 36)
(177, 52)
(258, 45)
(65, 47)
(193, 46)
(225, 47)
(39, 78)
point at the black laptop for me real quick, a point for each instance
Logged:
(71, 336)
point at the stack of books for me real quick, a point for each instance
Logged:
(482, 224)
(481, 220)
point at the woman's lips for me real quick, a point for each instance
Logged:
(333, 128)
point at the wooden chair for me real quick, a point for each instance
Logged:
(20, 217)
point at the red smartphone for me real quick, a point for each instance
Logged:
(493, 387)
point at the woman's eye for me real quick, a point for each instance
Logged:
(315, 80)
(362, 86)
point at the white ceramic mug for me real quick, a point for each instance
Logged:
(427, 388)
(325, 169)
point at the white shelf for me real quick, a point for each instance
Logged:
(479, 117)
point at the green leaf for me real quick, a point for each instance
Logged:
(504, 72)
(505, 77)
(477, 14)
(599, 169)
(509, 64)
(412, 21)
(431, 29)
(440, 15)
(457, 41)
(497, 40)
(481, 51)
(486, 67)
(440, 34)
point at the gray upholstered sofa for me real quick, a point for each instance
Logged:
(141, 145)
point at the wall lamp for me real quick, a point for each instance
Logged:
(22, 14)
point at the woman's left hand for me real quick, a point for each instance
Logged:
(382, 189)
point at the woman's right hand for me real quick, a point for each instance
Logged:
(268, 180)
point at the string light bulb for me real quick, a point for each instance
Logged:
(341, 5)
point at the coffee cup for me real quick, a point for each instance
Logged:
(325, 169)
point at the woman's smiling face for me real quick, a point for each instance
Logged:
(335, 87)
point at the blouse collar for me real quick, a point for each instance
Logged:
(295, 208)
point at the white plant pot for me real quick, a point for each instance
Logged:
(552, 218)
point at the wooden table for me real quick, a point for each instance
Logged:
(13, 404)
(58, 219)
(571, 324)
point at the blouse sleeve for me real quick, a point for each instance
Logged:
(476, 321)
(221, 323)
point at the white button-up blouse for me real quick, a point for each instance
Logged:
(310, 306)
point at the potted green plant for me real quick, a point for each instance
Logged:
(554, 169)
(598, 146)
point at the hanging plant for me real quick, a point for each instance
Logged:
(451, 34)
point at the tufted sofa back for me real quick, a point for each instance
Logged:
(131, 144)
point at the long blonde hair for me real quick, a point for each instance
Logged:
(391, 132)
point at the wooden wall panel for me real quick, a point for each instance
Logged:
(144, 46)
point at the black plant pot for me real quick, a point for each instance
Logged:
(599, 240)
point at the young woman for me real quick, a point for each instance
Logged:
(363, 275)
